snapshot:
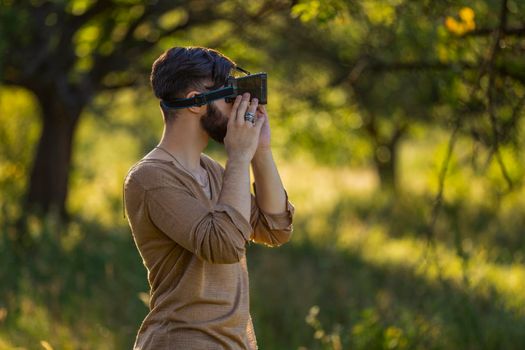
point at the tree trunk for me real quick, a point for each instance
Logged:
(385, 160)
(48, 183)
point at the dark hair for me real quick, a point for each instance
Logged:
(180, 69)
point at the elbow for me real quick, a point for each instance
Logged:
(220, 246)
(275, 230)
(281, 237)
(285, 236)
(272, 238)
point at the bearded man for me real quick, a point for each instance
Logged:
(191, 219)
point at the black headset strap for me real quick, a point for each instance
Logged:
(198, 100)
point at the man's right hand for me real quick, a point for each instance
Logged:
(242, 137)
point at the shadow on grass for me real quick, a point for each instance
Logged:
(87, 280)
(497, 226)
(82, 277)
(368, 302)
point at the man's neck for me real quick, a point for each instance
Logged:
(186, 145)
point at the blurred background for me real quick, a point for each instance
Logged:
(397, 126)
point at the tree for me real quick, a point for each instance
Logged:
(405, 63)
(65, 52)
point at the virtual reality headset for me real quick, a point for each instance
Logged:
(255, 84)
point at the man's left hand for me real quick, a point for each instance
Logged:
(265, 135)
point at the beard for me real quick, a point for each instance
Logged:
(215, 123)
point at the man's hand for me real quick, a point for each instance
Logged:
(241, 142)
(265, 135)
(242, 137)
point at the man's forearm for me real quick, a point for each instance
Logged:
(236, 187)
(270, 191)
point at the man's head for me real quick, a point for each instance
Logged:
(183, 72)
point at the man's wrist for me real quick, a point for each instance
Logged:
(262, 154)
(262, 159)
(239, 160)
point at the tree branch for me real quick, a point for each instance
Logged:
(130, 48)
(517, 32)
(75, 22)
(70, 27)
(374, 64)
(491, 108)
(438, 201)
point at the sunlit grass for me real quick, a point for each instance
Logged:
(432, 262)
(317, 189)
(36, 326)
(314, 187)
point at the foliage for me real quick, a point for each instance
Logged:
(428, 63)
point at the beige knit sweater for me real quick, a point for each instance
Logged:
(194, 251)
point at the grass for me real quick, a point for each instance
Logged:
(359, 274)
(373, 290)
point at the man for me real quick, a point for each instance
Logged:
(191, 218)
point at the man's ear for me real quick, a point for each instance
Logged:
(195, 109)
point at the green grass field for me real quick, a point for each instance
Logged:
(360, 273)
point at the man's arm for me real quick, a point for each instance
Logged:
(272, 214)
(236, 186)
(270, 196)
